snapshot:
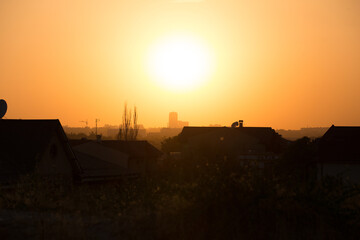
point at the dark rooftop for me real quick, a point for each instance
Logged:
(135, 149)
(259, 132)
(343, 132)
(265, 135)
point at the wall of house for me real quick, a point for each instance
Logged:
(54, 162)
(142, 165)
(138, 165)
(232, 145)
(349, 171)
(99, 151)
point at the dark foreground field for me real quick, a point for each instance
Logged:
(184, 200)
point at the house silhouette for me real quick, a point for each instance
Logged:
(233, 142)
(41, 147)
(35, 146)
(339, 153)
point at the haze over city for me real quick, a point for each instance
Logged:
(284, 64)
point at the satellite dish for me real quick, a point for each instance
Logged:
(235, 124)
(3, 108)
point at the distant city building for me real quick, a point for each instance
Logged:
(174, 122)
(107, 131)
(170, 132)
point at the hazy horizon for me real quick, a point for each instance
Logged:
(105, 125)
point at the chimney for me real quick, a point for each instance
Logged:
(241, 123)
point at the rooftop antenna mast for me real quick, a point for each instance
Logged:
(96, 122)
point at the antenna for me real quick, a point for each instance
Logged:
(235, 124)
(96, 121)
(3, 108)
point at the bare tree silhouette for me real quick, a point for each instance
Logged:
(129, 128)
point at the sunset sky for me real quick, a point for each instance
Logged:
(284, 64)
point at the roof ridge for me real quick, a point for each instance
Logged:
(345, 126)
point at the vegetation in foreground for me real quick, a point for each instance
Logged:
(191, 198)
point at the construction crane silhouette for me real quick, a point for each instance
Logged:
(86, 122)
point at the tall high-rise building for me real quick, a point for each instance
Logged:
(173, 120)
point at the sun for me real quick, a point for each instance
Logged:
(180, 62)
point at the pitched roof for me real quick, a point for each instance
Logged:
(265, 135)
(22, 143)
(342, 132)
(135, 149)
(101, 152)
(108, 159)
(343, 139)
(95, 168)
(258, 132)
(340, 144)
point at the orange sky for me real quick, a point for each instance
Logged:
(284, 64)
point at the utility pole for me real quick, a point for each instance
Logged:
(96, 121)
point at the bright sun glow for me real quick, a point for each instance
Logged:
(180, 62)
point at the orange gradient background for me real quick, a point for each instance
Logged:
(284, 64)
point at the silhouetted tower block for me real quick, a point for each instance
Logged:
(173, 120)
